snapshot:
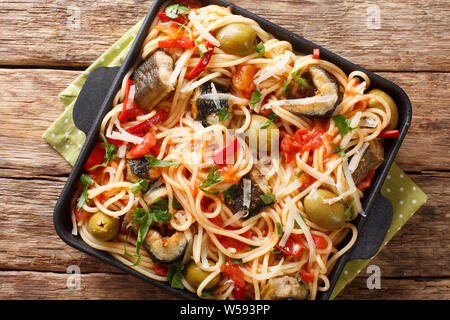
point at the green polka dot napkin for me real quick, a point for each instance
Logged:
(405, 195)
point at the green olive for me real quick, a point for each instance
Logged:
(102, 226)
(237, 38)
(195, 276)
(394, 110)
(260, 129)
(330, 217)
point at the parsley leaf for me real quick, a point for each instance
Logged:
(202, 48)
(160, 211)
(299, 173)
(272, 119)
(350, 213)
(237, 261)
(256, 97)
(343, 124)
(301, 81)
(260, 49)
(174, 275)
(140, 185)
(295, 221)
(110, 153)
(268, 198)
(144, 219)
(86, 181)
(212, 179)
(175, 204)
(224, 114)
(206, 292)
(229, 193)
(279, 229)
(286, 87)
(174, 10)
(339, 150)
(159, 163)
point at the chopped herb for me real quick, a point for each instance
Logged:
(159, 163)
(180, 27)
(202, 48)
(251, 248)
(268, 198)
(86, 181)
(174, 10)
(301, 283)
(126, 254)
(343, 124)
(237, 261)
(160, 211)
(229, 193)
(110, 153)
(286, 87)
(212, 179)
(260, 49)
(144, 219)
(295, 221)
(350, 213)
(339, 150)
(174, 275)
(275, 251)
(224, 114)
(279, 229)
(301, 81)
(175, 204)
(299, 173)
(272, 119)
(206, 292)
(256, 97)
(140, 185)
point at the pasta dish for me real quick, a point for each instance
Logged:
(230, 165)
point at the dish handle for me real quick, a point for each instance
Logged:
(92, 96)
(374, 230)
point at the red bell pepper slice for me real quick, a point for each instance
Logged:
(307, 277)
(228, 242)
(316, 53)
(160, 269)
(367, 181)
(203, 62)
(293, 246)
(389, 134)
(177, 43)
(129, 113)
(95, 158)
(164, 18)
(143, 148)
(146, 125)
(234, 272)
(226, 153)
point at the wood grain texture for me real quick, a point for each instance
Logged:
(29, 242)
(411, 48)
(30, 105)
(411, 35)
(94, 286)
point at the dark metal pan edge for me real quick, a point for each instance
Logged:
(62, 218)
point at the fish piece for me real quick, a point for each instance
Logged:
(372, 158)
(259, 187)
(165, 249)
(151, 79)
(140, 168)
(327, 95)
(206, 108)
(283, 288)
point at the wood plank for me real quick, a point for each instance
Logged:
(398, 289)
(29, 242)
(94, 286)
(344, 27)
(30, 105)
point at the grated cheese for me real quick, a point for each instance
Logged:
(202, 30)
(357, 158)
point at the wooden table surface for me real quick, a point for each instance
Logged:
(44, 45)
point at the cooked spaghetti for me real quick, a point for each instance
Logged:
(230, 165)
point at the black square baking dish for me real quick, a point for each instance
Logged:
(95, 101)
